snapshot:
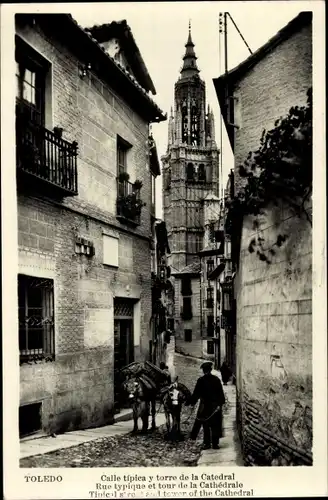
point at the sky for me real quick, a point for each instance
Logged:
(161, 30)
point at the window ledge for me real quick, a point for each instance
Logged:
(41, 359)
(128, 222)
(112, 266)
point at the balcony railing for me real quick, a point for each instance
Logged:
(45, 156)
(129, 203)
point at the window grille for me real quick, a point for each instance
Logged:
(123, 308)
(36, 318)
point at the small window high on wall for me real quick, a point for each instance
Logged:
(110, 250)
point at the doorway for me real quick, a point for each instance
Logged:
(123, 344)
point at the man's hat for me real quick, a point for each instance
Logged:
(207, 365)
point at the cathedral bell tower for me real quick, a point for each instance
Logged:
(190, 100)
(190, 165)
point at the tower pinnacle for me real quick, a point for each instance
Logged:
(189, 68)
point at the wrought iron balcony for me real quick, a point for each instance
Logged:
(129, 203)
(44, 157)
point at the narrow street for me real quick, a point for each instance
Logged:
(120, 448)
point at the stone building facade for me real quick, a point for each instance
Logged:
(273, 302)
(190, 175)
(162, 320)
(84, 233)
(221, 280)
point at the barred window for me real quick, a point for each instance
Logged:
(36, 318)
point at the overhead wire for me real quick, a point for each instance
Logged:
(221, 118)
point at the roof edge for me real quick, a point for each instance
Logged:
(150, 111)
(98, 32)
(304, 18)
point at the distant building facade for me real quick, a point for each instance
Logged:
(162, 320)
(85, 177)
(273, 301)
(190, 177)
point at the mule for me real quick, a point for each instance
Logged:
(173, 398)
(143, 401)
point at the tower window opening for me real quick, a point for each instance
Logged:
(185, 129)
(201, 173)
(190, 172)
(194, 127)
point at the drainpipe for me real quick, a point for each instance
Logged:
(200, 297)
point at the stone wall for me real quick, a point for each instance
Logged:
(274, 310)
(274, 341)
(268, 90)
(76, 389)
(93, 115)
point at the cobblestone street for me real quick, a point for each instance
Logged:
(150, 450)
(121, 448)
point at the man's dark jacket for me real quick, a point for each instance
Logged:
(210, 392)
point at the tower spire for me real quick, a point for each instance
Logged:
(189, 68)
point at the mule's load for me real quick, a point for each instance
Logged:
(152, 377)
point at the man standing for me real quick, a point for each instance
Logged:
(210, 392)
